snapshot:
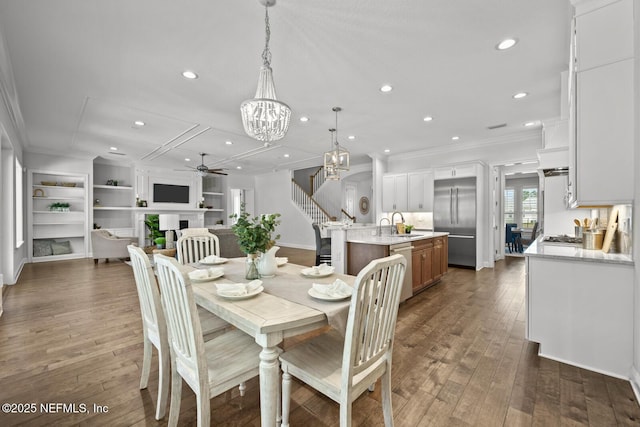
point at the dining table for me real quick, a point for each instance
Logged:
(284, 308)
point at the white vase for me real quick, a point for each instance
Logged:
(267, 265)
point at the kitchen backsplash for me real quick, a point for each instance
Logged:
(623, 238)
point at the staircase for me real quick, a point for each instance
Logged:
(308, 205)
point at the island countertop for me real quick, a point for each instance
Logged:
(395, 239)
(575, 253)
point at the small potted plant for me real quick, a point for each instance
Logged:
(160, 242)
(408, 228)
(254, 237)
(59, 207)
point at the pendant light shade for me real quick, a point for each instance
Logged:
(264, 117)
(337, 159)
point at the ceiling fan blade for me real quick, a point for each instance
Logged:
(216, 172)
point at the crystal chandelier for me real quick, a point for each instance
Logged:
(337, 158)
(264, 117)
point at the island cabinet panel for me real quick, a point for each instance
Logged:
(422, 265)
(361, 254)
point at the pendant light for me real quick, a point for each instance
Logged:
(264, 117)
(337, 159)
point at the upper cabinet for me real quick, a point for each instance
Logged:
(457, 171)
(420, 194)
(601, 107)
(394, 192)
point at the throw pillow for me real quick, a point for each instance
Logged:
(42, 247)
(61, 248)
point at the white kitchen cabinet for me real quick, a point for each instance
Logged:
(601, 113)
(581, 313)
(420, 194)
(58, 216)
(457, 171)
(394, 192)
(603, 35)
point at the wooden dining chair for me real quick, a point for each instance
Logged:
(193, 247)
(209, 368)
(342, 368)
(154, 326)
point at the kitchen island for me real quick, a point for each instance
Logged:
(426, 253)
(579, 306)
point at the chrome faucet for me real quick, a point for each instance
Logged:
(380, 225)
(393, 229)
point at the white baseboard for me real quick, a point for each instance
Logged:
(635, 383)
(583, 366)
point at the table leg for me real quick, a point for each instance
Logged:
(269, 386)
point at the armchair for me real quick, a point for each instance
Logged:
(106, 245)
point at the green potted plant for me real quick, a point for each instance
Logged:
(408, 228)
(160, 242)
(59, 207)
(254, 236)
(153, 224)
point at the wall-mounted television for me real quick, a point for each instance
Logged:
(168, 193)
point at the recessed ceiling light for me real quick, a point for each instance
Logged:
(139, 123)
(520, 95)
(187, 159)
(188, 74)
(386, 88)
(428, 118)
(304, 119)
(113, 148)
(506, 44)
(228, 142)
(286, 155)
(238, 167)
(351, 137)
(528, 124)
(455, 138)
(387, 150)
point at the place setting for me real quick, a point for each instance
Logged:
(322, 270)
(212, 260)
(239, 291)
(336, 291)
(206, 274)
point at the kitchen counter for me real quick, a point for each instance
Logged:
(575, 253)
(388, 240)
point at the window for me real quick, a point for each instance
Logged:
(19, 214)
(509, 206)
(529, 206)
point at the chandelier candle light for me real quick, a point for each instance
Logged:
(264, 117)
(336, 159)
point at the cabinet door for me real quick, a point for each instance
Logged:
(604, 35)
(443, 173)
(605, 135)
(401, 193)
(464, 171)
(444, 255)
(388, 193)
(417, 256)
(437, 258)
(416, 192)
(427, 266)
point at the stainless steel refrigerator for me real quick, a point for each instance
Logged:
(454, 211)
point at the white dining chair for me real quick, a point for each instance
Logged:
(154, 326)
(342, 368)
(192, 247)
(209, 368)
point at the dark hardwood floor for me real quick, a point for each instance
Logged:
(71, 334)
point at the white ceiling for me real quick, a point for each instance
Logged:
(85, 70)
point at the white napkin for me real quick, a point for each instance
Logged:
(210, 259)
(321, 269)
(206, 273)
(238, 289)
(281, 261)
(337, 289)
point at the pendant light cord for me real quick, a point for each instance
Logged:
(266, 53)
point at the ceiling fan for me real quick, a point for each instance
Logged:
(203, 170)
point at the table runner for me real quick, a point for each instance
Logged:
(289, 284)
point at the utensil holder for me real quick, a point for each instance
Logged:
(592, 240)
(578, 232)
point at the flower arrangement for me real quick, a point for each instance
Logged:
(254, 234)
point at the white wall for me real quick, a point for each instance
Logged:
(636, 204)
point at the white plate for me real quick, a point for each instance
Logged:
(280, 261)
(208, 279)
(317, 295)
(216, 262)
(237, 297)
(308, 272)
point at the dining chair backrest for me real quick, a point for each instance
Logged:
(372, 316)
(508, 237)
(534, 231)
(193, 247)
(153, 321)
(183, 324)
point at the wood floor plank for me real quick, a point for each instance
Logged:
(460, 358)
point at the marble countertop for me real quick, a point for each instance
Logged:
(395, 239)
(576, 253)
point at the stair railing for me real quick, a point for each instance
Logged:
(308, 205)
